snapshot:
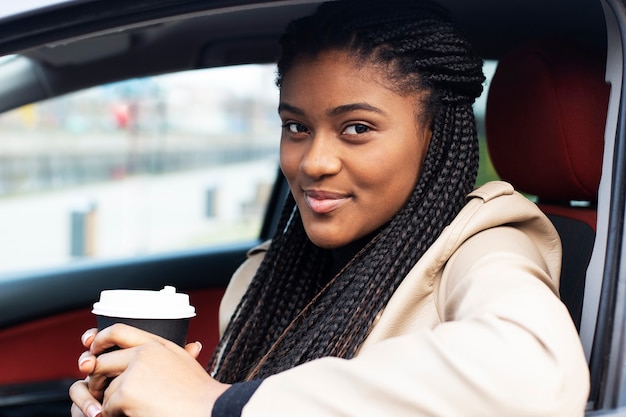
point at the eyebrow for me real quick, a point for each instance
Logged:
(290, 108)
(346, 108)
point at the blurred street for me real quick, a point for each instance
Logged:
(137, 215)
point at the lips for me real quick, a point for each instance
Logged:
(324, 201)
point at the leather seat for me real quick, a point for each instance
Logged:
(545, 119)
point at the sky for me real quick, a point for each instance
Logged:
(11, 7)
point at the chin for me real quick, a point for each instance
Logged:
(326, 242)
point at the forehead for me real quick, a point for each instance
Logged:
(342, 70)
(337, 78)
(357, 65)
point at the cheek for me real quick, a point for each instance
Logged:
(397, 168)
(395, 177)
(289, 160)
(399, 185)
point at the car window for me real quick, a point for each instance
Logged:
(486, 172)
(138, 167)
(144, 166)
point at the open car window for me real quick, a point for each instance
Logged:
(486, 172)
(148, 165)
(144, 166)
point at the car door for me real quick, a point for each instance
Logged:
(126, 164)
(604, 307)
(125, 206)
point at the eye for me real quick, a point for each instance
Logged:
(295, 128)
(356, 129)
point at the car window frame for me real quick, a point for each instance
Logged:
(608, 347)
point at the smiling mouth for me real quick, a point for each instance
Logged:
(321, 202)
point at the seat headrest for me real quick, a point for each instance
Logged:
(545, 118)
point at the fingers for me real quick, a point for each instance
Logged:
(75, 411)
(86, 362)
(194, 349)
(123, 336)
(87, 337)
(108, 366)
(84, 404)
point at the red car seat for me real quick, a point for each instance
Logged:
(545, 119)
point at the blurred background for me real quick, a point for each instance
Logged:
(143, 166)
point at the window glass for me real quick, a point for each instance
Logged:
(148, 165)
(138, 167)
(486, 172)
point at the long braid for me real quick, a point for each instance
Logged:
(282, 309)
(289, 315)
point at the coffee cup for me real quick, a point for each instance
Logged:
(165, 313)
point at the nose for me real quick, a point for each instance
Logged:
(321, 157)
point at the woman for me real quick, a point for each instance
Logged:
(390, 287)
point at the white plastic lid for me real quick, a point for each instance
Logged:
(144, 304)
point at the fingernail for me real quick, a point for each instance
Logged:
(94, 411)
(83, 360)
(85, 337)
(199, 345)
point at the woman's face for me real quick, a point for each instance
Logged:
(351, 147)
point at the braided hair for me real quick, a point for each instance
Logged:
(291, 313)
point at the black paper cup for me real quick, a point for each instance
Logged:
(170, 329)
(165, 313)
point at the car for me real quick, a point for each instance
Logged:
(139, 149)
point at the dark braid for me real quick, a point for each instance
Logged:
(286, 318)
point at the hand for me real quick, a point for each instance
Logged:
(149, 376)
(79, 391)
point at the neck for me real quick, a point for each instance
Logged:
(342, 255)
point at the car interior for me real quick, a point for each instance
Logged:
(549, 142)
(548, 126)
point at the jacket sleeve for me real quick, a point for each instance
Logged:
(506, 346)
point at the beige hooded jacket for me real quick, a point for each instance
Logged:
(475, 329)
